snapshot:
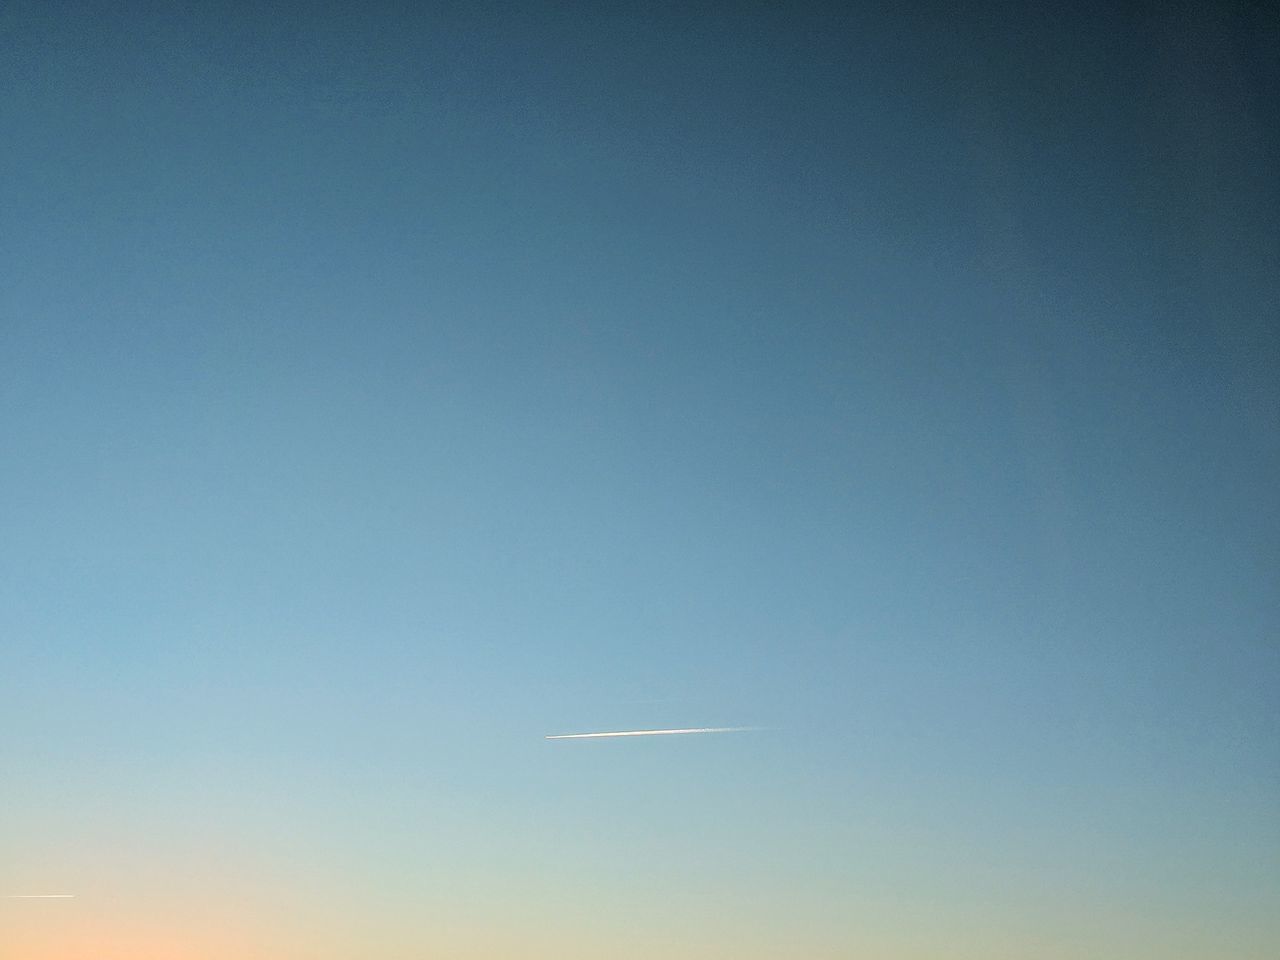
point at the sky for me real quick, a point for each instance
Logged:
(385, 388)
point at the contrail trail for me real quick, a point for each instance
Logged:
(40, 896)
(645, 733)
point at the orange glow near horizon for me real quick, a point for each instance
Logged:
(66, 932)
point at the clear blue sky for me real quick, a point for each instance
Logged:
(383, 388)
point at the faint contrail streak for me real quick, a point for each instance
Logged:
(645, 733)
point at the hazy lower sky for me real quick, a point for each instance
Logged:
(384, 388)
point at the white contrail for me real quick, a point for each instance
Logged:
(645, 733)
(40, 896)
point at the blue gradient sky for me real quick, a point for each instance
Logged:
(383, 389)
